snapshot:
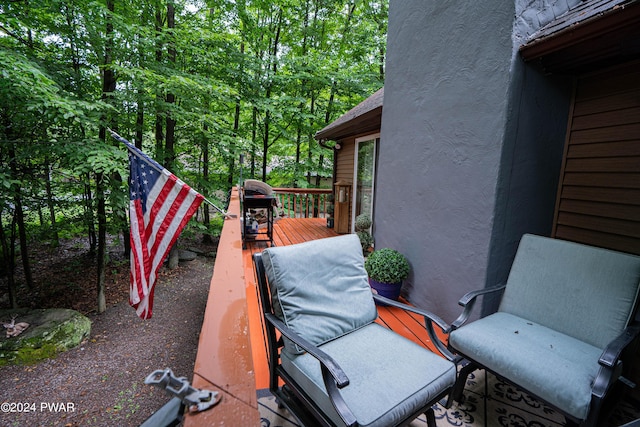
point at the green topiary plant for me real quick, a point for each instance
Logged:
(362, 225)
(366, 240)
(387, 266)
(363, 222)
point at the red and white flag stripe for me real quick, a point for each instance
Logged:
(160, 206)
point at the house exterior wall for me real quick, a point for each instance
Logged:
(345, 164)
(471, 143)
(345, 160)
(599, 196)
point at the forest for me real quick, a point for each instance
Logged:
(195, 84)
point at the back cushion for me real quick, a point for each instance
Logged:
(582, 291)
(320, 288)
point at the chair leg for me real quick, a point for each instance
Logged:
(431, 417)
(461, 380)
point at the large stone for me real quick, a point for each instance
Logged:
(174, 258)
(187, 255)
(50, 331)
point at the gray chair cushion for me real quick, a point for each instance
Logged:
(326, 296)
(375, 360)
(582, 291)
(556, 367)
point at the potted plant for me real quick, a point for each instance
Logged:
(387, 269)
(330, 211)
(362, 226)
(363, 222)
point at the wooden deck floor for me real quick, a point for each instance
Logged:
(232, 356)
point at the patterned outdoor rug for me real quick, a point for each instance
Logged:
(489, 402)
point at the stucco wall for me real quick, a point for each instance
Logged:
(471, 144)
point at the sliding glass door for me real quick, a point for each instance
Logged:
(364, 176)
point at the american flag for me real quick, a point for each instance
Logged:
(160, 205)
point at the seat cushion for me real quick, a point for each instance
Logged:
(320, 288)
(579, 290)
(555, 367)
(390, 377)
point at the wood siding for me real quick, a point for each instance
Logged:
(345, 162)
(599, 195)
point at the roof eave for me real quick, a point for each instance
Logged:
(367, 122)
(604, 36)
(362, 118)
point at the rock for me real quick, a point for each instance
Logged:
(50, 331)
(174, 258)
(196, 250)
(187, 255)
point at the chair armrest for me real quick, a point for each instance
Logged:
(609, 359)
(612, 352)
(329, 367)
(468, 300)
(332, 366)
(429, 319)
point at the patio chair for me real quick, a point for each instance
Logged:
(564, 322)
(333, 365)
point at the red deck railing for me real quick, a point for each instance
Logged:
(304, 202)
(224, 361)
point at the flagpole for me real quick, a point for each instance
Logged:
(129, 147)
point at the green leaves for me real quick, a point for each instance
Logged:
(93, 156)
(387, 266)
(255, 77)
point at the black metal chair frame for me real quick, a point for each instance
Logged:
(293, 397)
(602, 395)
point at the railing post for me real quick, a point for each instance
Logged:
(304, 203)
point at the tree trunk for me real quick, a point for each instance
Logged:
(265, 142)
(297, 165)
(254, 136)
(139, 121)
(8, 260)
(51, 205)
(206, 237)
(88, 216)
(159, 136)
(232, 157)
(108, 87)
(19, 217)
(304, 92)
(102, 242)
(170, 137)
(267, 116)
(236, 126)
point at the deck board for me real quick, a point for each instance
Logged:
(409, 325)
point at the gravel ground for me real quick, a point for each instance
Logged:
(101, 382)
